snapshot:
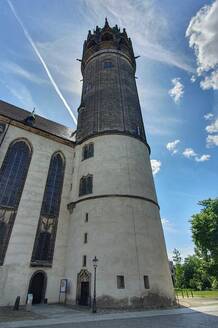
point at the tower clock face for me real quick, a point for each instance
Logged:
(2, 128)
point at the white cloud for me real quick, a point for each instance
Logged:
(203, 38)
(210, 82)
(212, 140)
(67, 70)
(189, 152)
(155, 165)
(208, 116)
(167, 225)
(203, 158)
(193, 78)
(171, 146)
(22, 95)
(177, 90)
(15, 69)
(213, 128)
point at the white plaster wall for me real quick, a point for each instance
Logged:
(16, 272)
(124, 233)
(121, 165)
(127, 238)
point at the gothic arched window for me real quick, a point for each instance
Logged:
(13, 174)
(46, 232)
(85, 186)
(88, 151)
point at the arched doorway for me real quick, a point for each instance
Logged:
(37, 286)
(84, 288)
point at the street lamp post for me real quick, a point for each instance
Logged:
(94, 307)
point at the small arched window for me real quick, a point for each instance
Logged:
(86, 184)
(107, 64)
(12, 179)
(46, 232)
(88, 151)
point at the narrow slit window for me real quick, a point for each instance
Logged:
(120, 282)
(146, 282)
(87, 217)
(84, 260)
(85, 238)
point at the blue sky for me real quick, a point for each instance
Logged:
(177, 82)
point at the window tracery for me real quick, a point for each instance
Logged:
(86, 184)
(46, 232)
(88, 151)
(13, 174)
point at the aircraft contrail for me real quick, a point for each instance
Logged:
(28, 37)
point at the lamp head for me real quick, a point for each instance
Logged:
(95, 262)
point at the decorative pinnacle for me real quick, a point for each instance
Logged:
(106, 25)
(33, 112)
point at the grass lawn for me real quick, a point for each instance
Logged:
(198, 293)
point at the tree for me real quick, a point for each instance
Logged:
(194, 273)
(205, 235)
(177, 259)
(179, 274)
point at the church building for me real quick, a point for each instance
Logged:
(70, 196)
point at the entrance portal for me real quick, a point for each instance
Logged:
(37, 286)
(84, 299)
(83, 288)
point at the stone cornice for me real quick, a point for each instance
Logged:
(114, 132)
(71, 205)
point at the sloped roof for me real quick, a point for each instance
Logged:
(20, 115)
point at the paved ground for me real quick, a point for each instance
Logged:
(195, 320)
(53, 316)
(197, 301)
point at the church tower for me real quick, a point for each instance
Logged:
(114, 208)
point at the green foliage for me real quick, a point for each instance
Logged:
(178, 268)
(191, 274)
(205, 235)
(177, 256)
(200, 271)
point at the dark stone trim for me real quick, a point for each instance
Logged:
(71, 205)
(41, 264)
(115, 132)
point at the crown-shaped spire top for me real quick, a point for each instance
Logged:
(107, 38)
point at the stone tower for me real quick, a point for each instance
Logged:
(114, 209)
